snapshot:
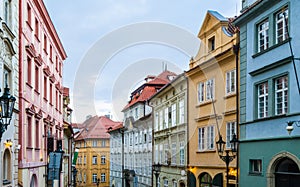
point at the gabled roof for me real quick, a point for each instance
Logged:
(144, 92)
(96, 128)
(211, 14)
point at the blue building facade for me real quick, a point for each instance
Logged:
(269, 93)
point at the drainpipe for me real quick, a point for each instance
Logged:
(236, 52)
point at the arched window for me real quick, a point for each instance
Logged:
(287, 173)
(7, 166)
(205, 180)
(33, 181)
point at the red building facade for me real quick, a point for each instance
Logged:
(40, 91)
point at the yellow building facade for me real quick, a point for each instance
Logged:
(212, 102)
(93, 161)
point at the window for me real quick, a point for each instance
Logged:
(181, 111)
(160, 120)
(255, 166)
(94, 144)
(29, 70)
(94, 177)
(84, 160)
(28, 14)
(211, 44)
(281, 95)
(136, 113)
(94, 160)
(103, 177)
(282, 20)
(263, 35)
(174, 151)
(210, 89)
(201, 144)
(51, 54)
(210, 137)
(51, 90)
(174, 183)
(103, 143)
(156, 154)
(45, 87)
(263, 100)
(200, 92)
(166, 118)
(36, 30)
(230, 130)
(206, 138)
(230, 82)
(37, 134)
(29, 132)
(45, 43)
(173, 115)
(7, 12)
(167, 154)
(156, 121)
(181, 153)
(103, 159)
(6, 77)
(36, 72)
(206, 90)
(166, 183)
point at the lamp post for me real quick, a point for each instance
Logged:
(98, 182)
(156, 170)
(290, 127)
(229, 154)
(7, 103)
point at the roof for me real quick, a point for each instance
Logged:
(66, 91)
(144, 92)
(96, 128)
(217, 15)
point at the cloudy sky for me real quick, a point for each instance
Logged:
(113, 44)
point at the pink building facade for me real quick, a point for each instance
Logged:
(41, 57)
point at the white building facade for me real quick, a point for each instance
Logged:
(9, 42)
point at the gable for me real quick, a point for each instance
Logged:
(211, 21)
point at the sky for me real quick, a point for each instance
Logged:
(112, 45)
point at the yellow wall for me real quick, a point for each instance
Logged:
(206, 65)
(89, 168)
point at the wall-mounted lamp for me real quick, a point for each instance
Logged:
(8, 143)
(290, 126)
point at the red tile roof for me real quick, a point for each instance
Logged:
(149, 88)
(96, 127)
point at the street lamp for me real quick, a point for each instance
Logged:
(156, 169)
(290, 127)
(229, 154)
(98, 182)
(7, 103)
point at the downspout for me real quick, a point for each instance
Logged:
(236, 52)
(187, 132)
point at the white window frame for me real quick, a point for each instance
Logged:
(94, 160)
(283, 91)
(94, 177)
(255, 166)
(156, 121)
(103, 159)
(201, 92)
(103, 177)
(181, 111)
(231, 82)
(181, 153)
(173, 115)
(263, 35)
(230, 130)
(210, 89)
(166, 183)
(282, 20)
(210, 137)
(201, 138)
(161, 120)
(166, 117)
(174, 155)
(262, 99)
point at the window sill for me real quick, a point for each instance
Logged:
(205, 103)
(37, 38)
(206, 151)
(36, 91)
(229, 95)
(270, 48)
(29, 25)
(29, 85)
(255, 174)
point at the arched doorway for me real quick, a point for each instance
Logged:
(287, 173)
(33, 181)
(218, 180)
(205, 180)
(7, 167)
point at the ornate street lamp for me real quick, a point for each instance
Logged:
(7, 103)
(156, 169)
(290, 127)
(229, 154)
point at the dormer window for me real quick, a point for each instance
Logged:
(211, 44)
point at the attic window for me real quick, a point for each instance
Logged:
(211, 43)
